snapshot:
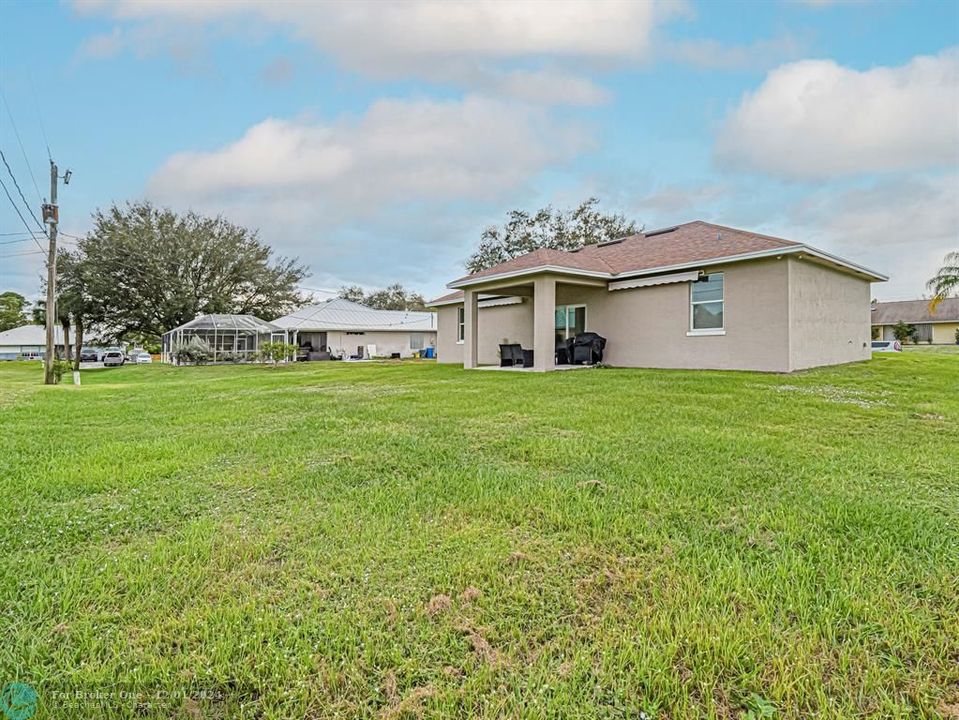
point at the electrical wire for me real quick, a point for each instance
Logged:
(22, 196)
(36, 104)
(11, 242)
(17, 209)
(20, 143)
(29, 252)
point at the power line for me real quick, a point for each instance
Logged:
(36, 104)
(25, 224)
(10, 242)
(20, 143)
(30, 252)
(22, 197)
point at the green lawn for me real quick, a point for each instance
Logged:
(409, 540)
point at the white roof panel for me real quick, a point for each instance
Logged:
(340, 314)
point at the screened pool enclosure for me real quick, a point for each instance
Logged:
(229, 338)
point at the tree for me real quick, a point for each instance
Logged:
(548, 228)
(77, 306)
(394, 297)
(13, 308)
(152, 270)
(903, 332)
(946, 281)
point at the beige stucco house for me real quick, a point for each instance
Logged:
(937, 327)
(696, 295)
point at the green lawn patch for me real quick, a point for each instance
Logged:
(412, 540)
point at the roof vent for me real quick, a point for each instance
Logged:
(662, 231)
(610, 242)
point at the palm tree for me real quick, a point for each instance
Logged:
(946, 282)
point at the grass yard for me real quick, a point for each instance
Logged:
(409, 540)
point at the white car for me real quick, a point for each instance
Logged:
(886, 346)
(143, 358)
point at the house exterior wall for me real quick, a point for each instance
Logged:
(780, 314)
(500, 324)
(944, 333)
(647, 327)
(386, 341)
(829, 316)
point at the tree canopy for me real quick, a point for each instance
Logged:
(13, 310)
(394, 297)
(548, 228)
(150, 270)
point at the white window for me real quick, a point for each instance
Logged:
(570, 321)
(417, 341)
(460, 324)
(706, 305)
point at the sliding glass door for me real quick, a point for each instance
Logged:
(570, 321)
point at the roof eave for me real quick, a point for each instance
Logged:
(470, 281)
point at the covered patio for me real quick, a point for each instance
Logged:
(553, 322)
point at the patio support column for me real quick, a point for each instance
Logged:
(470, 334)
(544, 324)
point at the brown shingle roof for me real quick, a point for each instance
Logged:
(688, 243)
(915, 311)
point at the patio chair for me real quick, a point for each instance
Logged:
(506, 356)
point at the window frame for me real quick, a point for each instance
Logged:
(692, 331)
(460, 324)
(422, 341)
(566, 309)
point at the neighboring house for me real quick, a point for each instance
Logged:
(696, 295)
(340, 327)
(938, 328)
(28, 342)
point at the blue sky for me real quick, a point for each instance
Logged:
(375, 141)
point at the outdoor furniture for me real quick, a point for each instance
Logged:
(514, 354)
(360, 350)
(588, 348)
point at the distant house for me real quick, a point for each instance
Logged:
(696, 295)
(341, 327)
(28, 342)
(939, 328)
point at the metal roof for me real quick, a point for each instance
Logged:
(249, 323)
(340, 314)
(915, 311)
(30, 335)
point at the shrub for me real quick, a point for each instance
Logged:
(276, 351)
(196, 350)
(59, 368)
(904, 332)
(957, 336)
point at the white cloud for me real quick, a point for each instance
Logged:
(900, 226)
(398, 150)
(706, 53)
(469, 43)
(391, 38)
(105, 45)
(816, 119)
(392, 181)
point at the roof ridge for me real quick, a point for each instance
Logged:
(740, 230)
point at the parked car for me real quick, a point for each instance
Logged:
(143, 358)
(886, 346)
(113, 358)
(89, 355)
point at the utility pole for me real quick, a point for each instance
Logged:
(51, 216)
